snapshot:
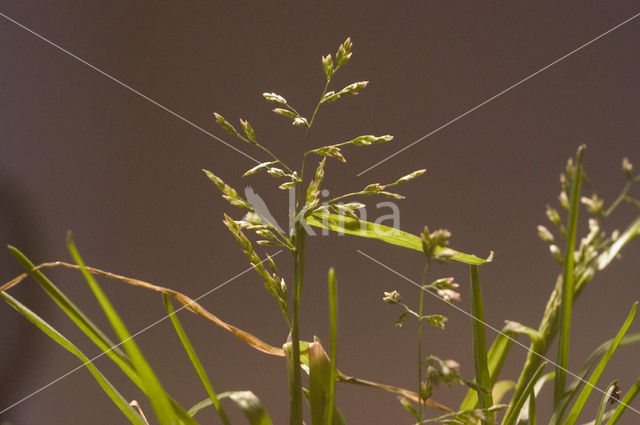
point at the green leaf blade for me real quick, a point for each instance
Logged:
(390, 235)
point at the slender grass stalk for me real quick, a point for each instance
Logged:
(483, 378)
(333, 325)
(295, 396)
(568, 279)
(421, 398)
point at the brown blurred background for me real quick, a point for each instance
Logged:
(80, 152)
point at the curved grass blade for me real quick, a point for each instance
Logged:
(593, 379)
(626, 401)
(605, 400)
(157, 396)
(195, 361)
(108, 388)
(483, 378)
(568, 278)
(246, 401)
(390, 235)
(514, 410)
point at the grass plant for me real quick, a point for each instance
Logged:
(580, 260)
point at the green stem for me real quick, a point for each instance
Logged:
(421, 399)
(295, 396)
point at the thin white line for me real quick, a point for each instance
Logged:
(131, 337)
(500, 93)
(491, 327)
(114, 79)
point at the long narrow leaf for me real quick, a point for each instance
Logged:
(158, 397)
(483, 378)
(390, 235)
(566, 304)
(108, 388)
(495, 360)
(195, 360)
(593, 379)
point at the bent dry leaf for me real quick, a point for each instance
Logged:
(187, 302)
(390, 235)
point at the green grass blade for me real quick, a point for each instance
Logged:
(603, 403)
(390, 235)
(514, 410)
(333, 328)
(483, 378)
(626, 401)
(495, 360)
(108, 388)
(566, 304)
(159, 399)
(587, 367)
(78, 317)
(593, 379)
(92, 331)
(195, 360)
